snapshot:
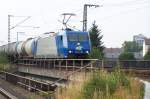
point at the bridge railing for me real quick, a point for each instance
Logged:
(125, 64)
(77, 63)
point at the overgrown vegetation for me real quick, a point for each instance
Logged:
(3, 58)
(96, 42)
(48, 95)
(4, 62)
(126, 56)
(103, 85)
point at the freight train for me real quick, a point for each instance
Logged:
(65, 44)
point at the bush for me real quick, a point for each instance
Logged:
(103, 83)
(126, 56)
(142, 90)
(96, 54)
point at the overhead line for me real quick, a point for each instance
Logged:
(134, 2)
(18, 16)
(20, 22)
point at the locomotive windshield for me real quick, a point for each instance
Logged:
(77, 37)
(72, 37)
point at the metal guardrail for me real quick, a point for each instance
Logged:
(7, 94)
(76, 65)
(52, 63)
(28, 82)
(78, 70)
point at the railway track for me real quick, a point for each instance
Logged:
(6, 95)
(28, 83)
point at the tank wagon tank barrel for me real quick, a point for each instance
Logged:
(19, 48)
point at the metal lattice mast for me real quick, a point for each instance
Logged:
(12, 27)
(9, 29)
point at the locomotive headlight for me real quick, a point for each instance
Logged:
(70, 51)
(78, 44)
(87, 52)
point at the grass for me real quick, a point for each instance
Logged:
(102, 85)
(5, 67)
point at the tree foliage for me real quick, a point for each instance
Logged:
(131, 46)
(126, 56)
(96, 42)
(147, 55)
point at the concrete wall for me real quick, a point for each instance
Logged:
(44, 72)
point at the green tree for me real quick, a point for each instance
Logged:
(96, 42)
(131, 46)
(126, 56)
(147, 55)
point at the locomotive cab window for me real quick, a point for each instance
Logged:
(72, 37)
(83, 37)
(77, 37)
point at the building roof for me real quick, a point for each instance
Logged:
(147, 41)
(139, 36)
(113, 50)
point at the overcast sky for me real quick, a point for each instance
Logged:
(119, 20)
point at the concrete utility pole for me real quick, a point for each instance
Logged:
(85, 15)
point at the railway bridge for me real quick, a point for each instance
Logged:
(63, 68)
(45, 74)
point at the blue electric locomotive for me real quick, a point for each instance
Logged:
(73, 43)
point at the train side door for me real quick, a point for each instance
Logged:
(60, 45)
